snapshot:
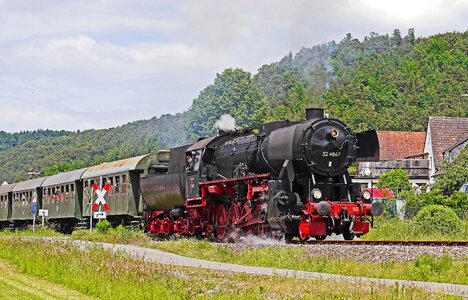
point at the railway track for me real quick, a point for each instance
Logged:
(386, 242)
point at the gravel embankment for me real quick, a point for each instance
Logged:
(374, 253)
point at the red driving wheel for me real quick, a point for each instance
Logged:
(221, 221)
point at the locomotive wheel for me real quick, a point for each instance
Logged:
(248, 230)
(221, 222)
(347, 235)
(303, 237)
(320, 237)
(232, 231)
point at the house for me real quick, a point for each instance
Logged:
(443, 134)
(454, 150)
(420, 154)
(398, 150)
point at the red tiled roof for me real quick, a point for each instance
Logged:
(400, 144)
(446, 132)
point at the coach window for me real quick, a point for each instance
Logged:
(72, 187)
(62, 193)
(67, 192)
(117, 184)
(49, 195)
(124, 184)
(111, 182)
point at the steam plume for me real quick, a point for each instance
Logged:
(226, 122)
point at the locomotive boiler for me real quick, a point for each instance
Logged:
(285, 178)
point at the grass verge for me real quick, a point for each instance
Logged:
(118, 235)
(101, 274)
(423, 268)
(39, 231)
(394, 229)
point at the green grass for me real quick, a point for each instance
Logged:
(104, 275)
(39, 231)
(118, 235)
(424, 268)
(394, 229)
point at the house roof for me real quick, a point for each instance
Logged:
(464, 140)
(446, 132)
(400, 144)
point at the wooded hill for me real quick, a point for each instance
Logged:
(385, 82)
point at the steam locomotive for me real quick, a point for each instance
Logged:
(286, 178)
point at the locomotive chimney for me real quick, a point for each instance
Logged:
(314, 113)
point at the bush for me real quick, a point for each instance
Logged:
(397, 180)
(455, 173)
(458, 201)
(438, 218)
(426, 266)
(103, 226)
(414, 202)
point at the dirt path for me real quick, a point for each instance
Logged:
(16, 285)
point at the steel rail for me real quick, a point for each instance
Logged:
(384, 242)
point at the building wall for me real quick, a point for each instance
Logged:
(430, 152)
(417, 170)
(452, 153)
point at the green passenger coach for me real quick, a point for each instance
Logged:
(6, 197)
(62, 197)
(123, 196)
(24, 194)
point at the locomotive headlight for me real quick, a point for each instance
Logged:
(316, 193)
(334, 133)
(366, 195)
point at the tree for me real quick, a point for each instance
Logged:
(232, 92)
(455, 173)
(396, 180)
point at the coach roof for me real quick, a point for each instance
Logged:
(66, 177)
(28, 185)
(4, 189)
(134, 163)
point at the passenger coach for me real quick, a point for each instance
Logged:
(123, 197)
(62, 197)
(24, 194)
(6, 196)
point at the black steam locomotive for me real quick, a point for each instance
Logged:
(286, 178)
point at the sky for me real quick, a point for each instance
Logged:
(99, 64)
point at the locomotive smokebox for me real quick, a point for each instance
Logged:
(314, 113)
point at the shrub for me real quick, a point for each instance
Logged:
(455, 173)
(103, 226)
(458, 201)
(414, 202)
(426, 266)
(435, 218)
(397, 180)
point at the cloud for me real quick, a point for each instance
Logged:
(130, 60)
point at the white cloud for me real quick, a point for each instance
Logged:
(145, 58)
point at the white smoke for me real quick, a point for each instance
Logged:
(256, 240)
(226, 122)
